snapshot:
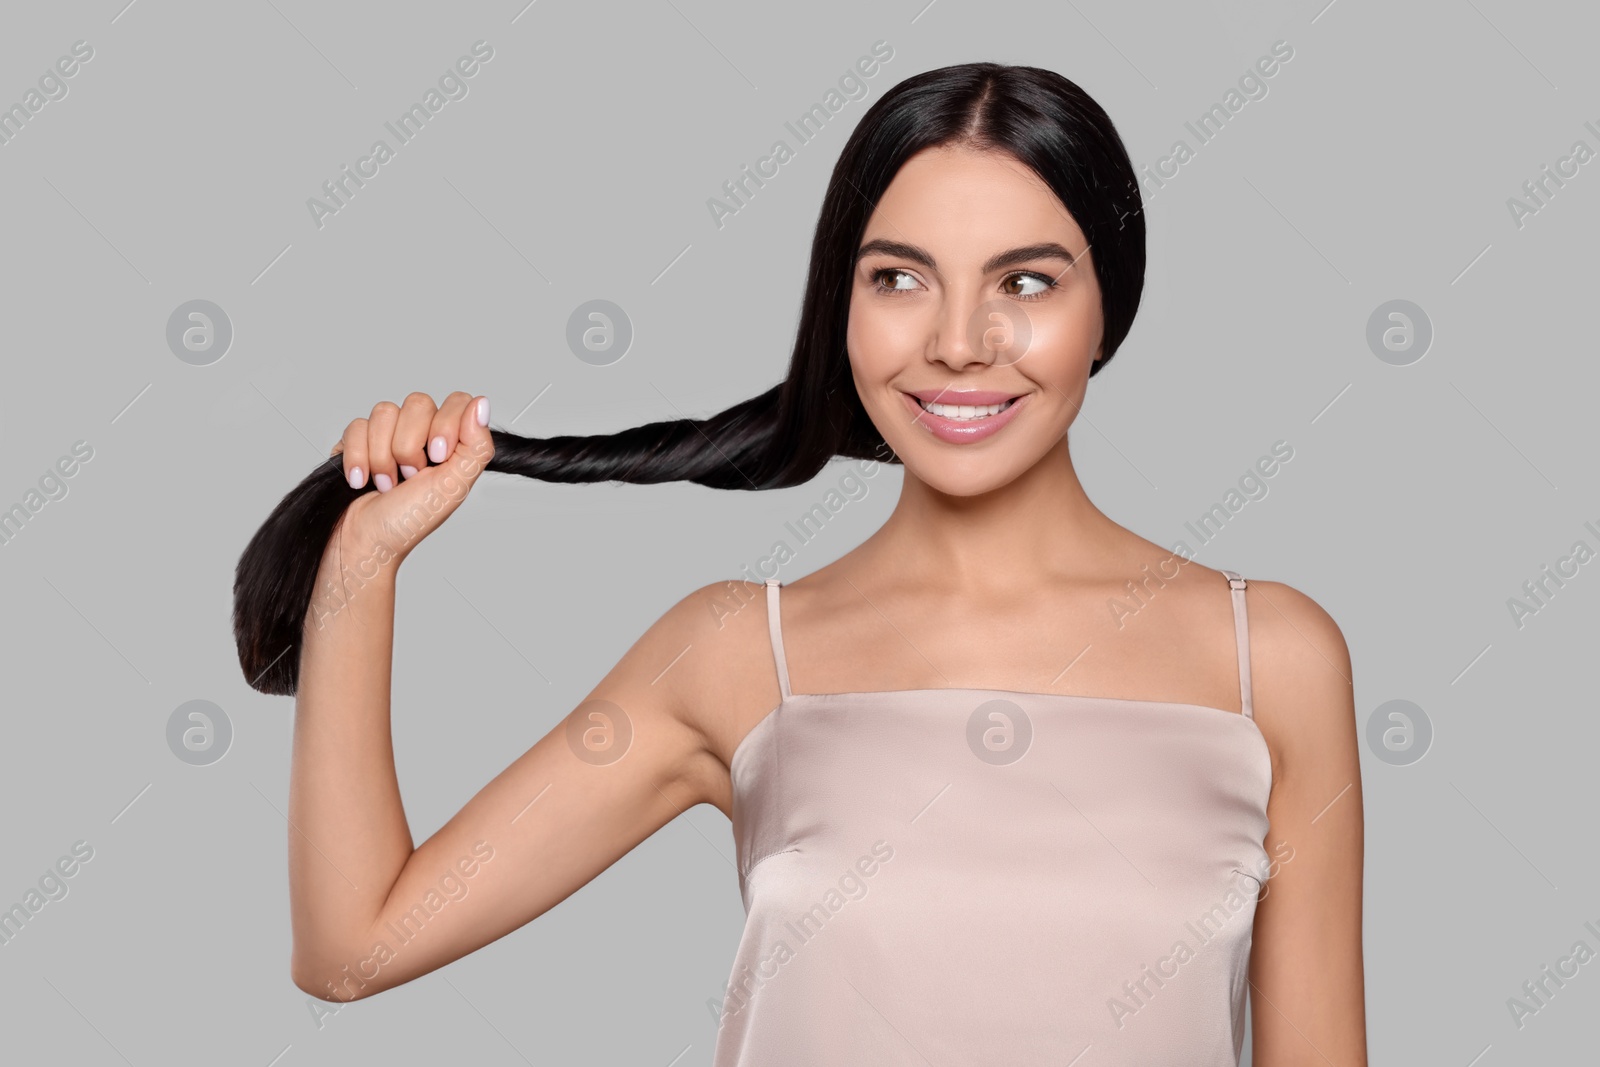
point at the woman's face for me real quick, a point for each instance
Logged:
(960, 302)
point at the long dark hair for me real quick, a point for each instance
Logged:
(786, 435)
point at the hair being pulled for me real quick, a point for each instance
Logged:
(786, 435)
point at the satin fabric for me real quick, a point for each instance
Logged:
(964, 876)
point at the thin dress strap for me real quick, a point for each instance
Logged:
(1241, 629)
(775, 628)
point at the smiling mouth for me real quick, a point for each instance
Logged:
(961, 412)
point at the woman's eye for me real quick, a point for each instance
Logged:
(892, 273)
(1024, 285)
(1041, 283)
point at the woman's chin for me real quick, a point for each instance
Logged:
(961, 478)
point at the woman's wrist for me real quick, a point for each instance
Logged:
(351, 567)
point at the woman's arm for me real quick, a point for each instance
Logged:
(1306, 975)
(370, 911)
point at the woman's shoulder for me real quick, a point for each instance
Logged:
(716, 608)
(716, 656)
(1284, 622)
(1301, 674)
(1293, 631)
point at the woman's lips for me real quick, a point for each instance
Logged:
(962, 431)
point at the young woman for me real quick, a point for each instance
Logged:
(1009, 783)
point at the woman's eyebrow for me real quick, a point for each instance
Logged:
(1026, 254)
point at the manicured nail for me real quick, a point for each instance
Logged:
(355, 478)
(383, 482)
(406, 472)
(483, 411)
(436, 449)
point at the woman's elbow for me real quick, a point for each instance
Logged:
(337, 985)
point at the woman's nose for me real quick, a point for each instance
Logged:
(988, 332)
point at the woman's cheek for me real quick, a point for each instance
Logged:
(1057, 353)
(872, 346)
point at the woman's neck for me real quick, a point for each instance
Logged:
(1040, 523)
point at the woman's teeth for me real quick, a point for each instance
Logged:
(965, 411)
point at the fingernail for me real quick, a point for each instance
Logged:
(483, 411)
(383, 482)
(436, 449)
(355, 477)
(406, 472)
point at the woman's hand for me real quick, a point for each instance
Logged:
(421, 457)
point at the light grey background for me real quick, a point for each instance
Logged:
(1420, 498)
